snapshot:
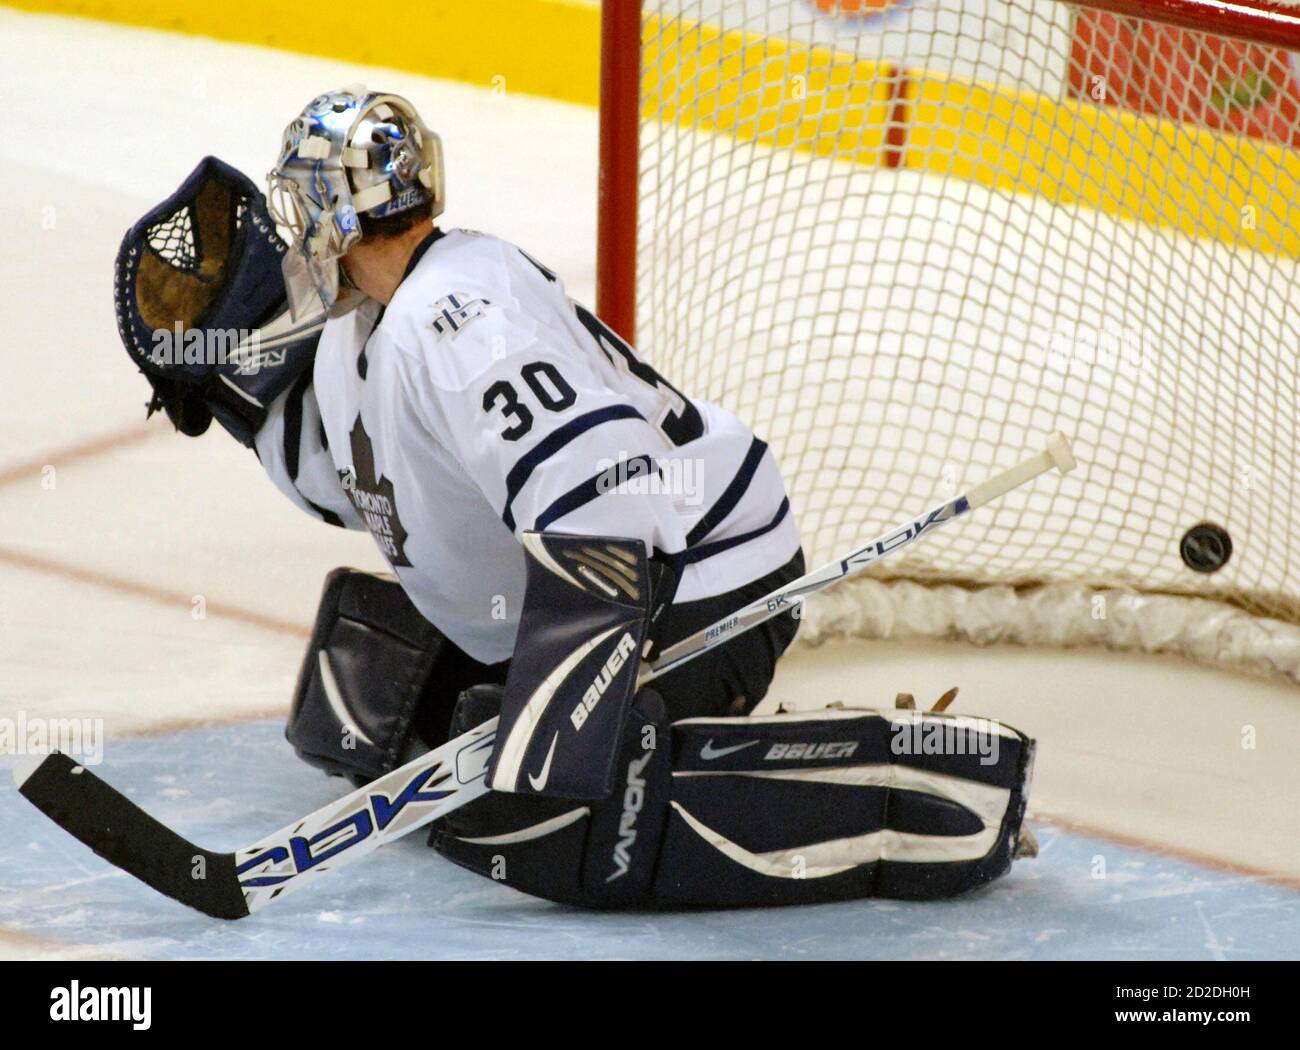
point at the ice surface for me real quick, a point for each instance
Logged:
(1080, 898)
(117, 535)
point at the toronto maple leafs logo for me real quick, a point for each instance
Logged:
(374, 498)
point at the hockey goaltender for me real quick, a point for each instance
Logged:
(437, 387)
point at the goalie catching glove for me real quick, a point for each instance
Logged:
(202, 306)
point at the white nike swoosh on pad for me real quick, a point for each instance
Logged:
(708, 752)
(512, 750)
(540, 780)
(334, 696)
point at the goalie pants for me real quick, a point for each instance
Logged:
(729, 679)
(399, 679)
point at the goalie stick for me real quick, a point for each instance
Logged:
(232, 885)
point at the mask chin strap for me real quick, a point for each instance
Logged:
(380, 193)
(346, 283)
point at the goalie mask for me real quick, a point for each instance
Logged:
(350, 153)
(201, 305)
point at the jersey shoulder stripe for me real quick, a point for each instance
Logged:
(554, 442)
(708, 550)
(593, 488)
(731, 496)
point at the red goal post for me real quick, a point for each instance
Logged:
(1011, 217)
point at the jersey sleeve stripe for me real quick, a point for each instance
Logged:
(732, 496)
(327, 516)
(553, 443)
(293, 424)
(293, 445)
(707, 550)
(593, 488)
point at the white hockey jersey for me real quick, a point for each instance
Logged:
(482, 402)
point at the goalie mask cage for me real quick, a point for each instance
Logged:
(906, 241)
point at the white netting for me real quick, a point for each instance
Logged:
(906, 248)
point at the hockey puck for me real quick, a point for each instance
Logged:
(1205, 547)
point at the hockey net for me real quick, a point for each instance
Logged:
(905, 241)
